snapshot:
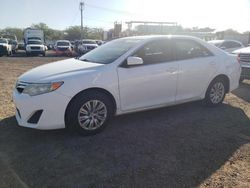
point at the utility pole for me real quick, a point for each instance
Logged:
(81, 9)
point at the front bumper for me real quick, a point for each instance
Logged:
(65, 52)
(35, 51)
(53, 106)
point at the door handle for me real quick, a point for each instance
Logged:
(212, 63)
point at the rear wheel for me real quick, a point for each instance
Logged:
(215, 93)
(88, 113)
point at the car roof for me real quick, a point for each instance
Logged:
(148, 37)
(220, 41)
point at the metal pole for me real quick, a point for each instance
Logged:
(81, 9)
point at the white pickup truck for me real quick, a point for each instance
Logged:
(34, 41)
(35, 47)
(244, 59)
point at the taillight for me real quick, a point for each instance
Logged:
(238, 58)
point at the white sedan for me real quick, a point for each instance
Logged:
(123, 76)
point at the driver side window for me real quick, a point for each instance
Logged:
(155, 52)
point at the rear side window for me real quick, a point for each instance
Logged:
(156, 52)
(189, 49)
(231, 44)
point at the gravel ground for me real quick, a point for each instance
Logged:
(187, 145)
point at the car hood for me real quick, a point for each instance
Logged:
(95, 45)
(242, 50)
(3, 44)
(57, 69)
(63, 46)
(35, 45)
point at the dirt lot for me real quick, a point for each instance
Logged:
(183, 146)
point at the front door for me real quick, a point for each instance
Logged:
(152, 83)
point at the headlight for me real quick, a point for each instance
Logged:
(38, 89)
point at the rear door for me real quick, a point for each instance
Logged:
(196, 66)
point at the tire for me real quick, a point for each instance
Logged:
(215, 93)
(79, 118)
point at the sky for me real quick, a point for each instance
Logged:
(60, 14)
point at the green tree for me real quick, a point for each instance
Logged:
(73, 33)
(231, 32)
(50, 34)
(15, 31)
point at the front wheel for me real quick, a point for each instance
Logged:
(88, 113)
(215, 93)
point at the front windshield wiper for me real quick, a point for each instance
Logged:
(87, 60)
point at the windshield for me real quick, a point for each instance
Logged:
(62, 43)
(88, 42)
(34, 42)
(110, 51)
(3, 41)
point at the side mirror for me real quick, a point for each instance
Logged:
(134, 61)
(223, 48)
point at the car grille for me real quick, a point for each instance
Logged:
(62, 49)
(245, 72)
(20, 86)
(244, 57)
(35, 48)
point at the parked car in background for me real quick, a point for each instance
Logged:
(12, 40)
(99, 42)
(123, 76)
(72, 44)
(244, 58)
(227, 45)
(14, 45)
(33, 34)
(35, 47)
(63, 47)
(5, 47)
(86, 45)
(21, 46)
